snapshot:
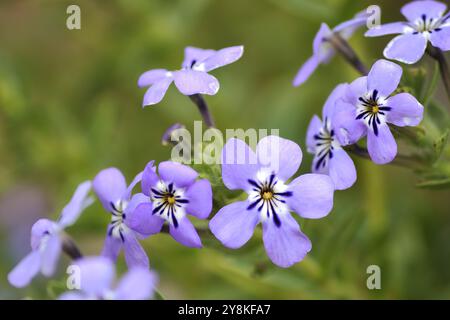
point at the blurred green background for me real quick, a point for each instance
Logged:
(70, 106)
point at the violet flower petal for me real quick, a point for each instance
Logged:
(156, 92)
(282, 156)
(150, 77)
(191, 82)
(73, 295)
(382, 148)
(109, 185)
(181, 175)
(25, 270)
(347, 28)
(313, 128)
(50, 255)
(306, 70)
(321, 49)
(341, 170)
(384, 77)
(193, 55)
(239, 163)
(137, 179)
(441, 39)
(385, 29)
(77, 204)
(285, 244)
(221, 58)
(149, 178)
(185, 233)
(143, 221)
(136, 284)
(355, 90)
(349, 130)
(41, 228)
(200, 199)
(234, 225)
(406, 48)
(415, 9)
(405, 110)
(111, 247)
(312, 195)
(134, 202)
(330, 105)
(96, 275)
(135, 255)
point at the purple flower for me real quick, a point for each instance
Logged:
(96, 276)
(321, 140)
(426, 22)
(127, 224)
(193, 78)
(47, 238)
(369, 105)
(264, 175)
(323, 51)
(175, 193)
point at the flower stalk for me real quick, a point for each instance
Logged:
(437, 54)
(343, 47)
(203, 109)
(70, 248)
(399, 160)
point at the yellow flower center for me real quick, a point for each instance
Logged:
(171, 200)
(375, 109)
(267, 195)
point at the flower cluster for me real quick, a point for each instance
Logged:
(170, 192)
(427, 22)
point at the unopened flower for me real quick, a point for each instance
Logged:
(427, 22)
(47, 240)
(127, 224)
(193, 78)
(329, 156)
(175, 193)
(370, 104)
(323, 50)
(96, 279)
(264, 177)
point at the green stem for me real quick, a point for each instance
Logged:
(400, 160)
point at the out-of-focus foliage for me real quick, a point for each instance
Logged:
(69, 106)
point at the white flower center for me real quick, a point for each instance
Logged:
(268, 196)
(427, 25)
(169, 202)
(326, 144)
(118, 227)
(372, 110)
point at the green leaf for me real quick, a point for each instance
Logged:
(55, 288)
(159, 295)
(440, 144)
(436, 184)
